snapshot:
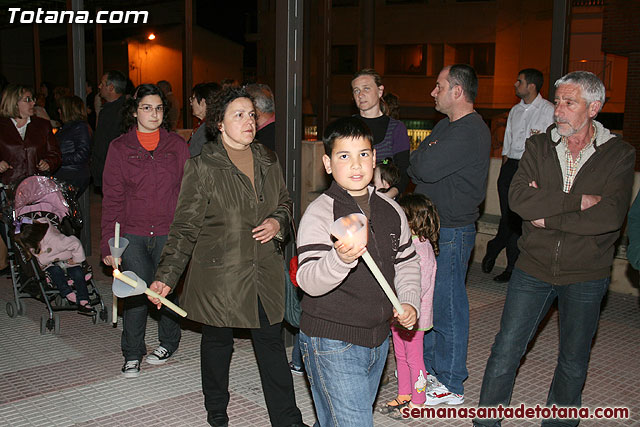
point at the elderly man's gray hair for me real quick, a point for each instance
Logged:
(592, 87)
(262, 97)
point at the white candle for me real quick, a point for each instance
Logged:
(116, 239)
(114, 310)
(134, 283)
(116, 243)
(383, 282)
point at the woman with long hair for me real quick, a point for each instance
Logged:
(140, 185)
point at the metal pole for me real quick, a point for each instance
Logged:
(559, 43)
(289, 68)
(99, 53)
(37, 64)
(324, 65)
(187, 63)
(79, 89)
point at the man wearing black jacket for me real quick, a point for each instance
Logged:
(112, 88)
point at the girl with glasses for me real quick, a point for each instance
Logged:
(140, 184)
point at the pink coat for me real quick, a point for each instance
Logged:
(55, 246)
(427, 282)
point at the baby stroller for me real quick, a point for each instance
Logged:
(42, 197)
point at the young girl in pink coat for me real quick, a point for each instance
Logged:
(407, 344)
(57, 254)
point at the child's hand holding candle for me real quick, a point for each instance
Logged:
(408, 318)
(349, 251)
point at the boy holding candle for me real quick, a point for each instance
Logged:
(344, 326)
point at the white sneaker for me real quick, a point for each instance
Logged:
(432, 382)
(441, 394)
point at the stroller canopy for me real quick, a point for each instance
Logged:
(40, 193)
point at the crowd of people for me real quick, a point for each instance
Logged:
(207, 220)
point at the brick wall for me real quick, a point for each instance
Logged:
(621, 36)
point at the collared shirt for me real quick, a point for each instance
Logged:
(571, 166)
(526, 120)
(21, 130)
(271, 120)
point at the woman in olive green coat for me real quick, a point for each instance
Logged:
(232, 211)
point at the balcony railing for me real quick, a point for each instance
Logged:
(600, 68)
(583, 3)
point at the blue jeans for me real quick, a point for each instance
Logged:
(59, 278)
(445, 346)
(527, 303)
(296, 354)
(142, 257)
(344, 379)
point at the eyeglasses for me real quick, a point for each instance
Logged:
(150, 108)
(28, 99)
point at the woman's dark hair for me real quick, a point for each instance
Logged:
(72, 109)
(389, 172)
(30, 236)
(217, 104)
(131, 106)
(391, 102)
(205, 90)
(423, 218)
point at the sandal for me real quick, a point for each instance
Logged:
(392, 406)
(86, 309)
(398, 414)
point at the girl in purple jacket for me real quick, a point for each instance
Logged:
(56, 254)
(140, 185)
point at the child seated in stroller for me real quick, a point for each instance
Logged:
(56, 254)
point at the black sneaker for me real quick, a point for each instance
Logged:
(159, 356)
(131, 369)
(217, 419)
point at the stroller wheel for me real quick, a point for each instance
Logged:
(47, 324)
(56, 323)
(94, 318)
(12, 309)
(104, 315)
(43, 324)
(22, 308)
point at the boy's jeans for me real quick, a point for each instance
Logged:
(344, 379)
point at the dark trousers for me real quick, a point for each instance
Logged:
(76, 273)
(142, 257)
(528, 301)
(510, 228)
(277, 385)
